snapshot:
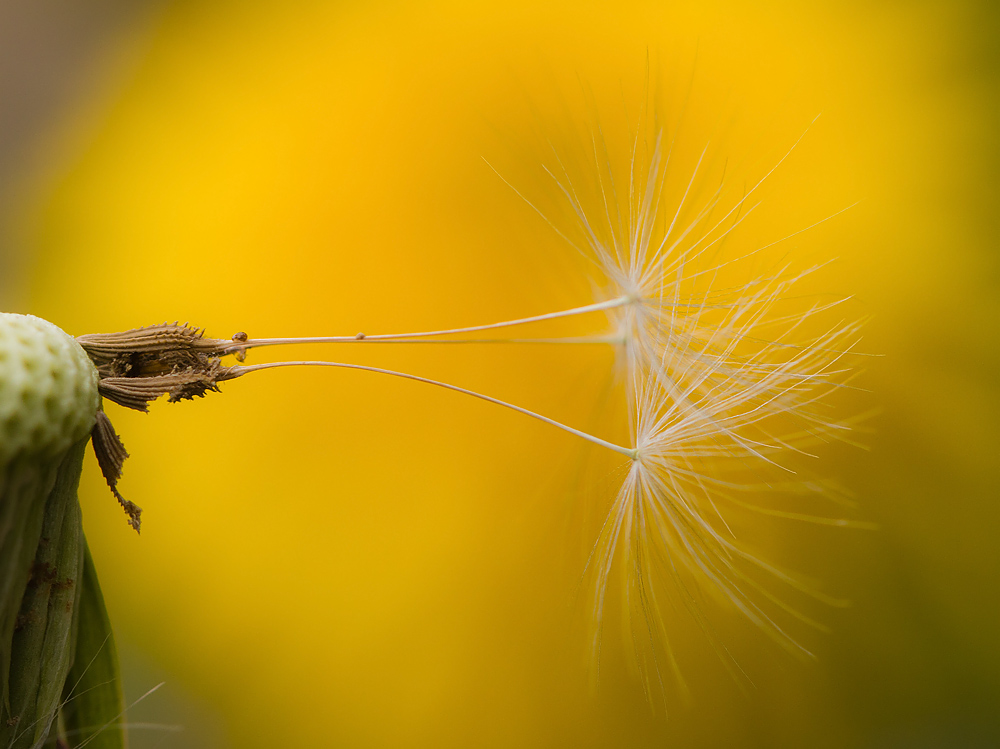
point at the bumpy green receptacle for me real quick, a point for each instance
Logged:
(51, 610)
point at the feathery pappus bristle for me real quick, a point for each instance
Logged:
(726, 385)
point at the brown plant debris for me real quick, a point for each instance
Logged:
(240, 352)
(111, 455)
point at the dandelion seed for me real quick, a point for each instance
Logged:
(723, 385)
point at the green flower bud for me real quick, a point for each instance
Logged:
(48, 388)
(49, 403)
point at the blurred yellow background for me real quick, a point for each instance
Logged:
(335, 558)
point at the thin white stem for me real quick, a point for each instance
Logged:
(596, 307)
(568, 340)
(628, 452)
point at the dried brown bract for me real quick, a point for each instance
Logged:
(111, 455)
(138, 366)
(174, 356)
(138, 392)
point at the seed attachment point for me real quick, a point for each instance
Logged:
(241, 352)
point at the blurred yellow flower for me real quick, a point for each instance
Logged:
(398, 566)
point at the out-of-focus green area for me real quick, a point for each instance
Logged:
(334, 559)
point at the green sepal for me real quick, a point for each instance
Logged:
(93, 704)
(25, 486)
(41, 649)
